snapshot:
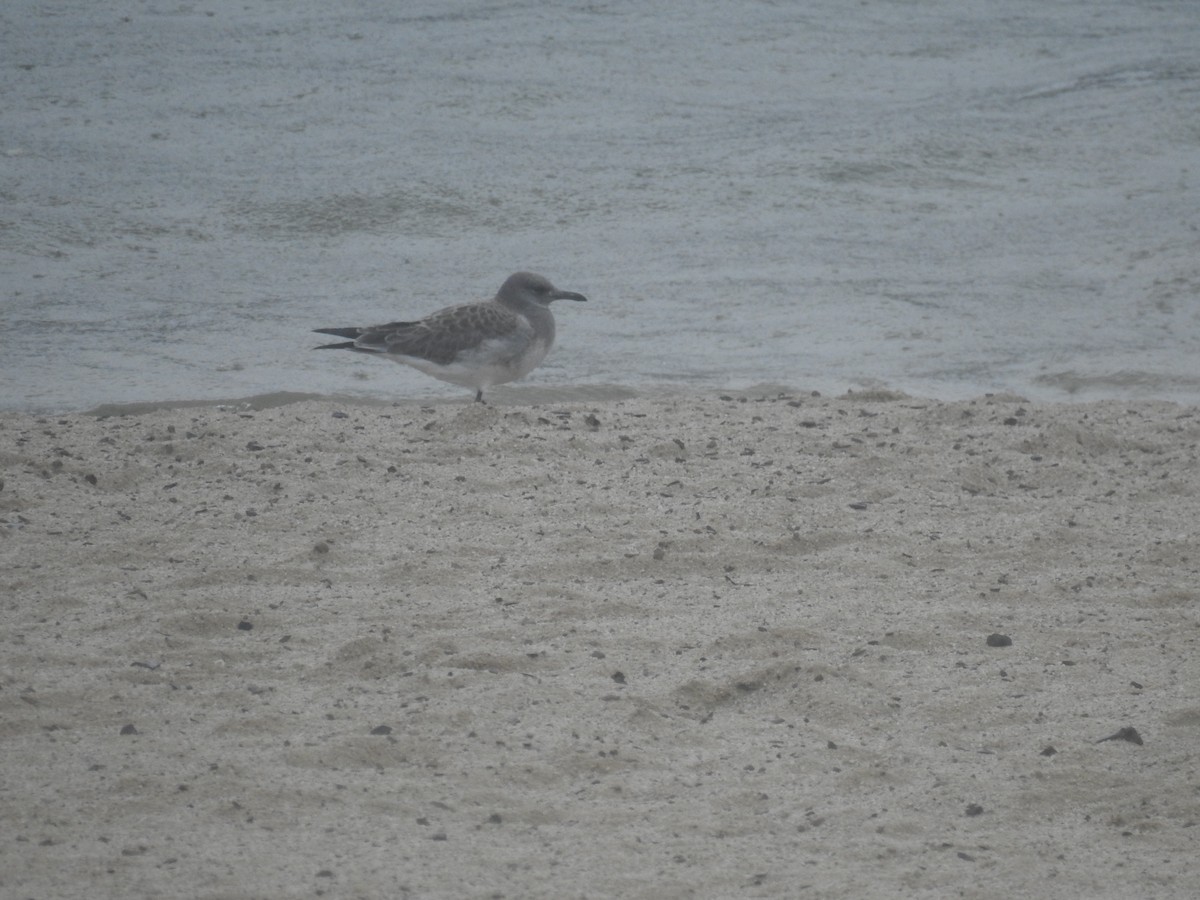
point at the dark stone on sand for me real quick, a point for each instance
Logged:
(1128, 733)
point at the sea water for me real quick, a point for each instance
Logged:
(931, 196)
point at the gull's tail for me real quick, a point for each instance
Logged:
(340, 332)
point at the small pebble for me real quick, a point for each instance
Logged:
(1128, 733)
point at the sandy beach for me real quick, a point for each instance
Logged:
(747, 645)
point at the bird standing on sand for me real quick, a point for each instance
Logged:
(476, 345)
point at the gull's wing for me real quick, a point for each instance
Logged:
(443, 335)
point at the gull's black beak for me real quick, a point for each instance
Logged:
(567, 295)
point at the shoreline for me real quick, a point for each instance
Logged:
(1069, 389)
(522, 395)
(694, 645)
(532, 394)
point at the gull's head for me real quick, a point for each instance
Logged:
(526, 287)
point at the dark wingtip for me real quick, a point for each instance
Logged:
(348, 345)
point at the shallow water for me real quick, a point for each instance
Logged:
(940, 198)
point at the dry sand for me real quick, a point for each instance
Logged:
(674, 647)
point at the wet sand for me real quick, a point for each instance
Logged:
(701, 646)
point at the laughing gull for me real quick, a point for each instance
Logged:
(476, 345)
